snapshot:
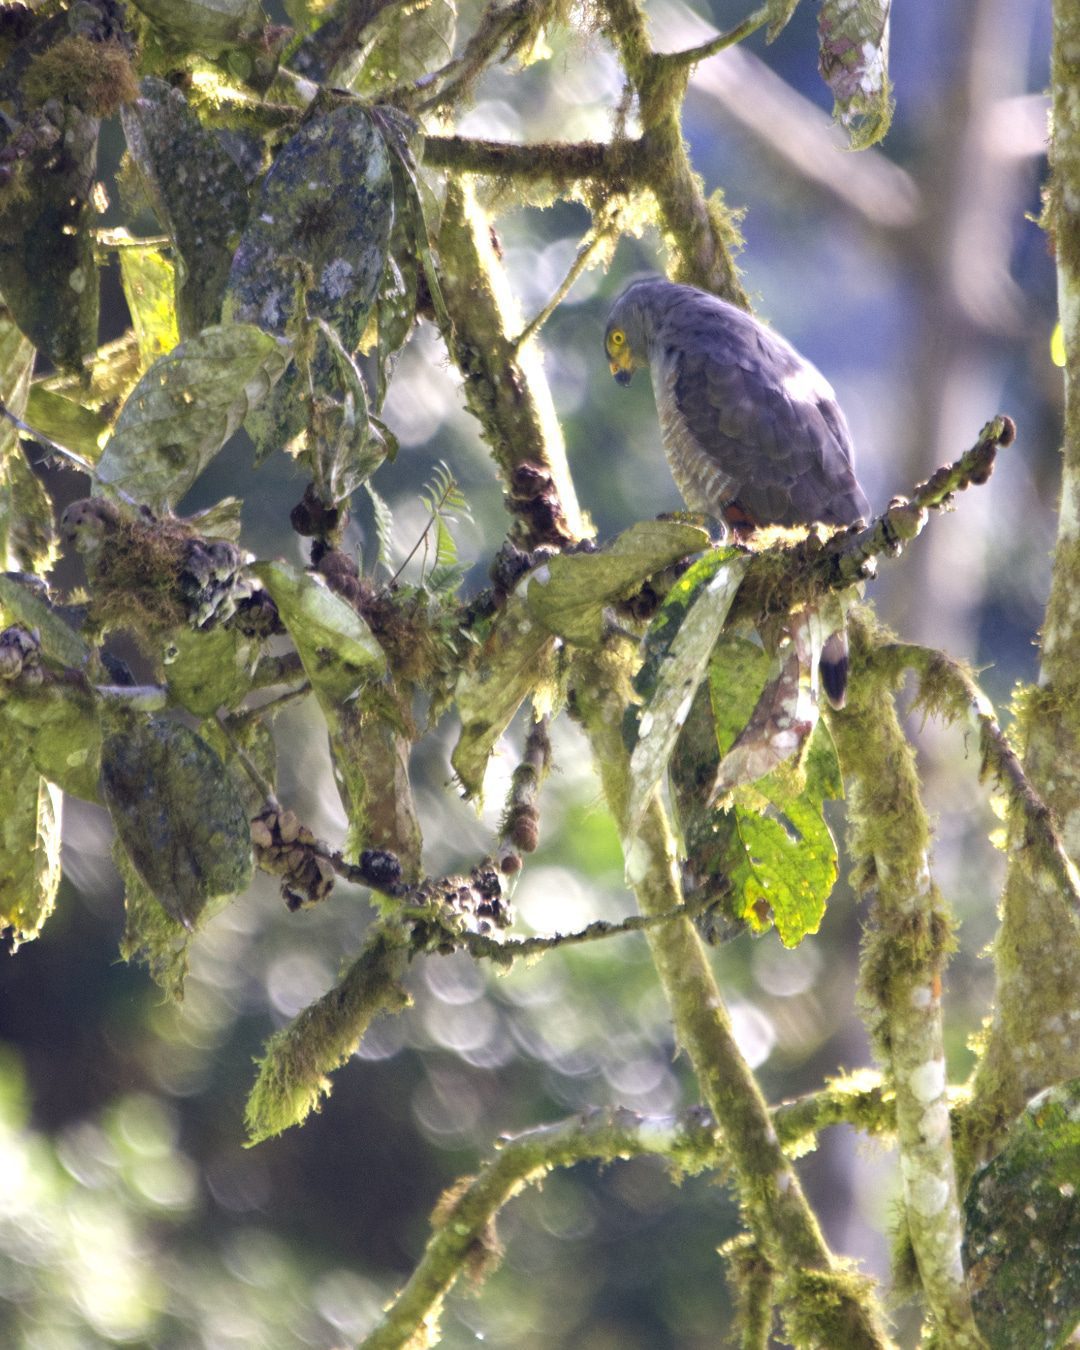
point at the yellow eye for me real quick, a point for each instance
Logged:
(617, 338)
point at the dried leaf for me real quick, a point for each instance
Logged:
(682, 638)
(853, 57)
(186, 407)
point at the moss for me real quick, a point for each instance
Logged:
(96, 76)
(817, 1307)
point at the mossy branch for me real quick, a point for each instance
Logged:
(292, 1073)
(904, 954)
(463, 1221)
(948, 688)
(769, 1189)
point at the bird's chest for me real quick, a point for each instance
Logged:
(705, 487)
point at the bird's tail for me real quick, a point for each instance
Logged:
(833, 667)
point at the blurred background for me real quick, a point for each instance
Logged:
(914, 276)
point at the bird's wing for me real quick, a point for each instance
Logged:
(770, 424)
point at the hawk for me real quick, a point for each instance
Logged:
(753, 433)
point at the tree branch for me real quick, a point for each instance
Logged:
(463, 1220)
(844, 1310)
(905, 949)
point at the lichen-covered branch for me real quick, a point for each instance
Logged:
(700, 231)
(948, 688)
(822, 1303)
(505, 388)
(617, 165)
(1032, 1041)
(908, 937)
(464, 1219)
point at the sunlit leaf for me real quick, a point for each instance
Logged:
(28, 606)
(1022, 1228)
(60, 724)
(149, 281)
(26, 519)
(404, 43)
(67, 420)
(206, 25)
(198, 193)
(48, 275)
(319, 229)
(338, 649)
(569, 593)
(29, 843)
(177, 815)
(186, 407)
(514, 660)
(210, 669)
(151, 934)
(712, 583)
(853, 56)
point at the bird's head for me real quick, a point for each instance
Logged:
(626, 341)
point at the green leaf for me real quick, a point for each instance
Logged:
(1022, 1229)
(384, 524)
(515, 660)
(712, 583)
(371, 767)
(152, 935)
(569, 593)
(400, 46)
(67, 420)
(149, 281)
(59, 722)
(28, 606)
(48, 275)
(198, 193)
(210, 668)
(186, 407)
(322, 220)
(209, 26)
(177, 815)
(338, 649)
(29, 843)
(26, 520)
(853, 57)
(349, 447)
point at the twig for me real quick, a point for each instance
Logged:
(281, 669)
(693, 55)
(581, 261)
(463, 1221)
(245, 718)
(947, 686)
(618, 164)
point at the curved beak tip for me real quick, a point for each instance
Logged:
(622, 375)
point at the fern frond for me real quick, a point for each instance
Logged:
(384, 524)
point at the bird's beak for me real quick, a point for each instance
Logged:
(622, 367)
